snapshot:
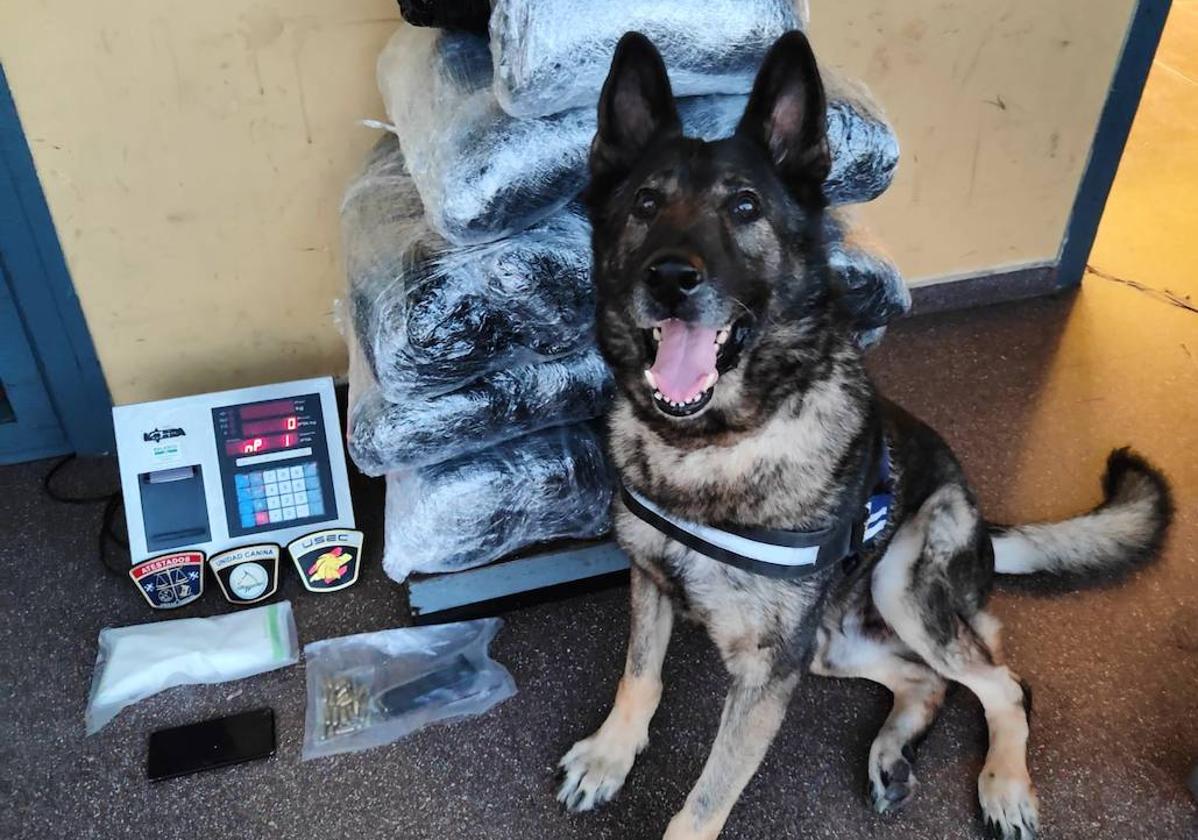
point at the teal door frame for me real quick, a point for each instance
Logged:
(36, 280)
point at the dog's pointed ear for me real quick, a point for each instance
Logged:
(635, 108)
(787, 112)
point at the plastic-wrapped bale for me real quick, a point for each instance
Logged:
(871, 288)
(385, 436)
(431, 316)
(475, 509)
(471, 15)
(484, 174)
(551, 55)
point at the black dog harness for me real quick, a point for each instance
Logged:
(778, 553)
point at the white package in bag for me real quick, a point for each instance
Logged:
(138, 661)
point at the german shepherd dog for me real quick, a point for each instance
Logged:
(743, 402)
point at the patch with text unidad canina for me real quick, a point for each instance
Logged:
(248, 574)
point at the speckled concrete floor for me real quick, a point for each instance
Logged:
(1032, 395)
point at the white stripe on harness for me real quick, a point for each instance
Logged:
(878, 510)
(778, 555)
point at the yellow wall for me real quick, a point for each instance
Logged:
(193, 155)
(995, 104)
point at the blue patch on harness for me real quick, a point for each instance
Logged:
(877, 508)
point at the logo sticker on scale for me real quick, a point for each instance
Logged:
(327, 560)
(170, 580)
(248, 574)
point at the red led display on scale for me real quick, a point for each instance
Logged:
(261, 443)
(258, 411)
(253, 428)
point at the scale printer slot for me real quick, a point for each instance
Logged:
(174, 507)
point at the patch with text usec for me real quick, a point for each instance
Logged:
(327, 560)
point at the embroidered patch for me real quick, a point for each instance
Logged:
(327, 560)
(170, 580)
(248, 574)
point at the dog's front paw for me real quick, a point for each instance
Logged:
(595, 769)
(1009, 805)
(891, 779)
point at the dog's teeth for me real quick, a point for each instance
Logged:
(722, 336)
(657, 333)
(710, 381)
(651, 379)
(657, 395)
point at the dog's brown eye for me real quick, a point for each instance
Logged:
(646, 203)
(745, 207)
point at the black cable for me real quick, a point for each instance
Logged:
(70, 500)
(112, 503)
(108, 534)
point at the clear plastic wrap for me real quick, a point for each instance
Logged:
(374, 688)
(431, 316)
(475, 509)
(871, 289)
(484, 174)
(141, 660)
(551, 55)
(385, 436)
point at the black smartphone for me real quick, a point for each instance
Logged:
(210, 744)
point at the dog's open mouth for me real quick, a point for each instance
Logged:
(688, 360)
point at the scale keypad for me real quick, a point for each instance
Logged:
(282, 494)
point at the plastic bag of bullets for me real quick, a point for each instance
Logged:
(375, 688)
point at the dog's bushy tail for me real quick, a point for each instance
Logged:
(1123, 532)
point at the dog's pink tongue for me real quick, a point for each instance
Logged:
(685, 357)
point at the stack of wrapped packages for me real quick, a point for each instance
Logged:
(475, 382)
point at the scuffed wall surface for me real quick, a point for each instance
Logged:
(193, 156)
(994, 105)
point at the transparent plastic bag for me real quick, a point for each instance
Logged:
(375, 688)
(550, 55)
(431, 316)
(141, 660)
(475, 509)
(484, 174)
(505, 404)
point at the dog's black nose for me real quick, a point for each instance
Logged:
(671, 279)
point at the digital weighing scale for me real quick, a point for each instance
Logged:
(213, 472)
